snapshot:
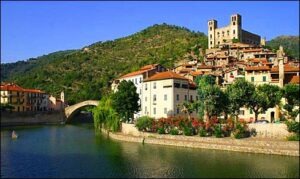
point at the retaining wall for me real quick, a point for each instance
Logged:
(31, 118)
(253, 145)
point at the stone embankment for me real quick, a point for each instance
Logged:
(251, 145)
(31, 118)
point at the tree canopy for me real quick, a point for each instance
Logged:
(125, 100)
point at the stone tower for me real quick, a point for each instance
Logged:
(280, 58)
(236, 26)
(62, 96)
(212, 26)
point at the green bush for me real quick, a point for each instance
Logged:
(188, 131)
(161, 130)
(174, 132)
(293, 126)
(202, 132)
(241, 131)
(144, 123)
(294, 137)
(218, 131)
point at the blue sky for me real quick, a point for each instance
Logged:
(31, 29)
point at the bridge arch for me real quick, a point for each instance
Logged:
(71, 109)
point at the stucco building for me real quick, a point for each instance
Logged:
(137, 77)
(164, 92)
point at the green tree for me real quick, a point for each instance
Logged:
(264, 97)
(212, 100)
(125, 100)
(105, 115)
(291, 94)
(239, 93)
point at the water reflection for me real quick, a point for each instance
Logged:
(75, 151)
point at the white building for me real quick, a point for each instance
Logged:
(137, 77)
(164, 92)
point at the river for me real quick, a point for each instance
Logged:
(77, 151)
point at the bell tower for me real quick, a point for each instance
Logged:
(212, 26)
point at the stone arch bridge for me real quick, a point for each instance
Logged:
(71, 109)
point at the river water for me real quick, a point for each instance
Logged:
(77, 151)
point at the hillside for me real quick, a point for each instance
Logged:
(289, 43)
(87, 73)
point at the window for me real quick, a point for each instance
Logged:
(135, 81)
(197, 98)
(251, 112)
(145, 109)
(264, 78)
(145, 98)
(154, 85)
(191, 98)
(228, 32)
(233, 31)
(177, 97)
(185, 86)
(177, 85)
(154, 110)
(145, 86)
(177, 110)
(210, 28)
(241, 112)
(165, 110)
(140, 79)
(233, 23)
(154, 97)
(140, 91)
(185, 97)
(252, 79)
(210, 42)
(165, 97)
(210, 36)
(219, 42)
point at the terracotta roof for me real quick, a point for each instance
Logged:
(14, 87)
(133, 74)
(196, 73)
(33, 91)
(295, 80)
(165, 75)
(258, 60)
(140, 71)
(11, 87)
(148, 67)
(204, 67)
(257, 68)
(287, 68)
(252, 50)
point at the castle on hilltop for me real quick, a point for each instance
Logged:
(231, 33)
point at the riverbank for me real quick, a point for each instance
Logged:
(9, 119)
(249, 145)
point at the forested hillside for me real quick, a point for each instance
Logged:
(289, 43)
(87, 73)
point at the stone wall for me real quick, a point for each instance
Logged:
(270, 130)
(30, 118)
(259, 144)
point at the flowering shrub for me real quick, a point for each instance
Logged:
(241, 130)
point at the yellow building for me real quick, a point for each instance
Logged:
(164, 92)
(23, 99)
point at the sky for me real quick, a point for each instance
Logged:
(32, 29)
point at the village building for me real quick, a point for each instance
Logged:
(24, 99)
(165, 92)
(137, 77)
